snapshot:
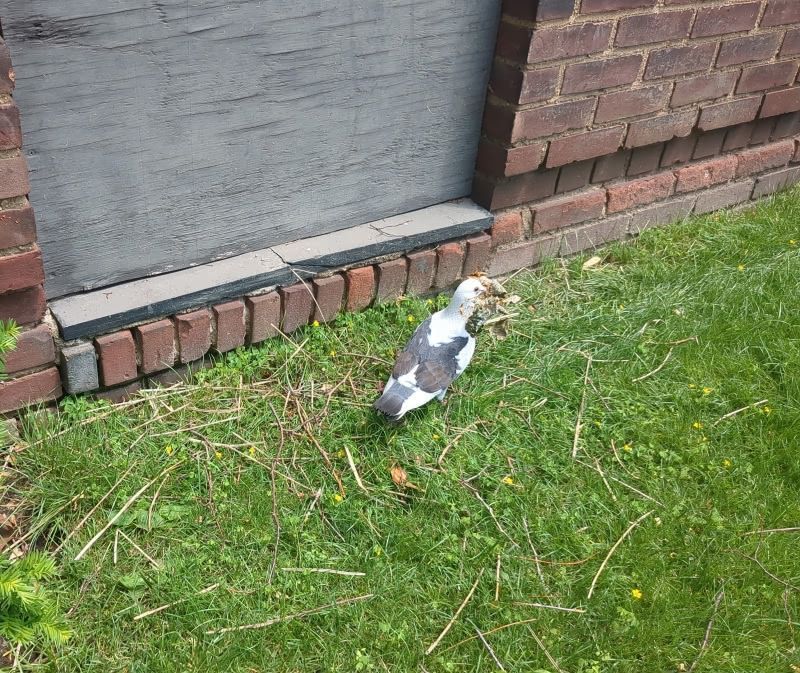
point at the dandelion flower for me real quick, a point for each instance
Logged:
(315, 323)
(697, 425)
(411, 318)
(792, 242)
(218, 454)
(766, 410)
(338, 498)
(692, 386)
(508, 480)
(252, 450)
(340, 453)
(169, 449)
(332, 354)
(740, 267)
(436, 437)
(627, 447)
(726, 463)
(637, 594)
(707, 390)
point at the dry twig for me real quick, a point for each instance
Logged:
(488, 647)
(579, 419)
(763, 531)
(161, 608)
(452, 621)
(579, 611)
(326, 571)
(455, 439)
(707, 637)
(614, 548)
(535, 553)
(656, 370)
(739, 411)
(549, 656)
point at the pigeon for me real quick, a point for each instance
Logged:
(437, 354)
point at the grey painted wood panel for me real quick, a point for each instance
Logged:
(167, 133)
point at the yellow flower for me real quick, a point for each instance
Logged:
(740, 267)
(338, 498)
(726, 463)
(429, 302)
(792, 242)
(707, 390)
(697, 425)
(340, 453)
(508, 480)
(252, 450)
(627, 446)
(315, 323)
(621, 307)
(218, 454)
(332, 354)
(692, 386)
(436, 437)
(411, 318)
(766, 410)
(169, 449)
(637, 594)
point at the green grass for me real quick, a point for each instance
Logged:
(731, 281)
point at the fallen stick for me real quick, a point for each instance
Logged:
(152, 561)
(287, 618)
(773, 530)
(707, 637)
(549, 656)
(655, 371)
(329, 571)
(455, 440)
(124, 509)
(579, 611)
(352, 465)
(579, 420)
(535, 553)
(490, 631)
(488, 647)
(161, 608)
(738, 411)
(614, 548)
(452, 621)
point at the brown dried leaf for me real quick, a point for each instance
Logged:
(399, 475)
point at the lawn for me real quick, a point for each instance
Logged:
(645, 551)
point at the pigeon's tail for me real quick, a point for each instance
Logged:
(390, 404)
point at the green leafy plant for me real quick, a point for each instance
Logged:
(28, 613)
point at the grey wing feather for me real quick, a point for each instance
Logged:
(438, 366)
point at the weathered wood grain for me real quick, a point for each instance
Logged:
(167, 133)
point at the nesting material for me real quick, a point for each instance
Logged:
(492, 313)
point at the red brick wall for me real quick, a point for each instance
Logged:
(33, 376)
(574, 80)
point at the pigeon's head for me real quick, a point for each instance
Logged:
(466, 296)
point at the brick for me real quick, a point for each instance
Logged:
(264, 315)
(79, 368)
(651, 28)
(568, 210)
(591, 236)
(660, 129)
(580, 39)
(639, 192)
(10, 131)
(523, 86)
(524, 255)
(678, 151)
(781, 102)
(705, 174)
(764, 158)
(672, 61)
(631, 103)
(24, 306)
(709, 144)
(601, 74)
(660, 214)
(507, 161)
(392, 277)
(514, 191)
(704, 87)
(34, 348)
(121, 393)
(478, 252)
(21, 271)
(421, 269)
(329, 293)
(762, 130)
(231, 329)
(449, 260)
(773, 182)
(552, 119)
(726, 19)
(156, 343)
(738, 136)
(591, 6)
(748, 49)
(13, 177)
(194, 334)
(763, 77)
(507, 227)
(791, 45)
(17, 227)
(781, 12)
(31, 389)
(723, 197)
(575, 176)
(543, 10)
(513, 42)
(297, 307)
(180, 374)
(786, 125)
(360, 288)
(7, 77)
(611, 166)
(582, 146)
(499, 122)
(729, 113)
(117, 355)
(645, 159)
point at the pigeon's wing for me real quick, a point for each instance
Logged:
(412, 354)
(405, 362)
(440, 365)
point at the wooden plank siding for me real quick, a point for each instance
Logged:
(161, 134)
